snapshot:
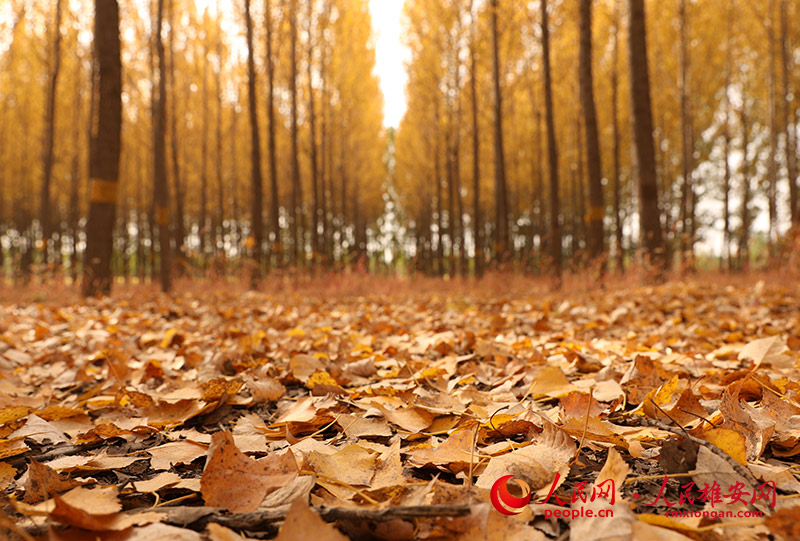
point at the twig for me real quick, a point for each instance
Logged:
(738, 468)
(63, 450)
(257, 519)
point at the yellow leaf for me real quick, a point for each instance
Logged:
(8, 415)
(728, 440)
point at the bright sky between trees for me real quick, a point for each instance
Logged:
(390, 57)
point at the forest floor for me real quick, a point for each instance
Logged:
(369, 408)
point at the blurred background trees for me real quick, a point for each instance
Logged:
(252, 138)
(723, 80)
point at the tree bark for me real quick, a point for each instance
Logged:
(180, 231)
(501, 236)
(687, 188)
(49, 141)
(316, 238)
(642, 119)
(161, 190)
(277, 249)
(726, 137)
(476, 149)
(552, 150)
(788, 115)
(105, 150)
(219, 232)
(743, 250)
(596, 201)
(255, 158)
(615, 137)
(772, 120)
(203, 229)
(297, 188)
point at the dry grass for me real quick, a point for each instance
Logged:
(292, 287)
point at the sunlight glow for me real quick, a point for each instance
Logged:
(390, 57)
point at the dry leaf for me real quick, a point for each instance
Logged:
(302, 524)
(233, 481)
(43, 482)
(351, 465)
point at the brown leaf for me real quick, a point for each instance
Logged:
(233, 481)
(7, 474)
(302, 524)
(352, 465)
(43, 482)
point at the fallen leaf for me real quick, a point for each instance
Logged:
(302, 524)
(233, 481)
(43, 482)
(351, 465)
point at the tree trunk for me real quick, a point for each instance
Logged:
(552, 150)
(615, 136)
(725, 255)
(476, 149)
(687, 188)
(203, 228)
(297, 188)
(161, 190)
(255, 157)
(316, 238)
(642, 119)
(596, 203)
(788, 115)
(501, 193)
(105, 150)
(180, 232)
(73, 219)
(219, 231)
(277, 249)
(49, 141)
(743, 250)
(772, 120)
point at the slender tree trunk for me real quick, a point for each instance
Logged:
(502, 247)
(642, 119)
(578, 195)
(297, 188)
(535, 167)
(615, 137)
(180, 232)
(204, 233)
(772, 120)
(45, 217)
(687, 189)
(315, 217)
(596, 203)
(75, 173)
(439, 205)
(255, 157)
(104, 151)
(236, 239)
(277, 249)
(726, 136)
(788, 115)
(325, 147)
(219, 232)
(743, 251)
(552, 150)
(161, 189)
(476, 149)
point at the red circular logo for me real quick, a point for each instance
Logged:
(504, 501)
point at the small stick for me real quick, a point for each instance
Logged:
(255, 521)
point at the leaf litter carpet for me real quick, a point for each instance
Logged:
(391, 417)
